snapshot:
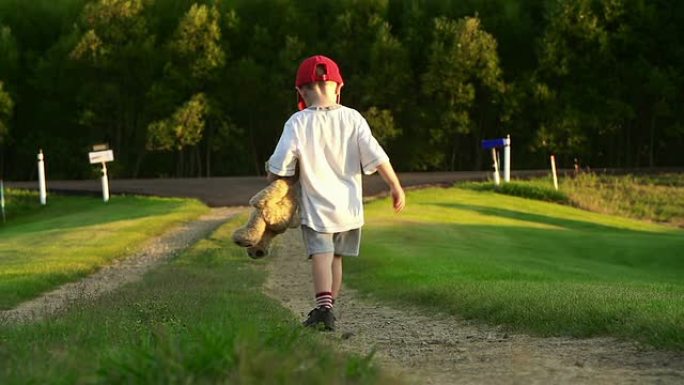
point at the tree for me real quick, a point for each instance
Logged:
(6, 110)
(196, 52)
(382, 124)
(596, 79)
(463, 71)
(386, 82)
(118, 59)
(357, 27)
(612, 84)
(9, 54)
(9, 60)
(184, 128)
(195, 57)
(574, 97)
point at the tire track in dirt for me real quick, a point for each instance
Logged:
(129, 269)
(440, 350)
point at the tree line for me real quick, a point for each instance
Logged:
(202, 88)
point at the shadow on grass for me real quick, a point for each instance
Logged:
(568, 224)
(73, 212)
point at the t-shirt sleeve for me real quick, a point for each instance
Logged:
(371, 153)
(284, 159)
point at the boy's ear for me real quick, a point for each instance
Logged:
(338, 89)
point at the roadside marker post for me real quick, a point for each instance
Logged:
(41, 178)
(2, 199)
(101, 154)
(493, 145)
(553, 171)
(507, 159)
(497, 180)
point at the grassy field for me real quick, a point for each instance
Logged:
(200, 319)
(657, 198)
(43, 247)
(531, 265)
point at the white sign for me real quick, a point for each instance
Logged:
(101, 156)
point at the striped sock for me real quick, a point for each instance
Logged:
(324, 299)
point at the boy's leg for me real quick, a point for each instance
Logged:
(322, 271)
(336, 276)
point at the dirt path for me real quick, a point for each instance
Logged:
(445, 350)
(130, 269)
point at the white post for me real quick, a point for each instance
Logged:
(497, 180)
(507, 159)
(105, 183)
(2, 199)
(41, 178)
(553, 171)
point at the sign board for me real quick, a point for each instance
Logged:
(101, 156)
(488, 144)
(100, 147)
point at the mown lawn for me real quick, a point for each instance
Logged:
(201, 319)
(44, 247)
(534, 266)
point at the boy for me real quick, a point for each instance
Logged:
(332, 145)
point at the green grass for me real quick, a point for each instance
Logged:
(538, 189)
(200, 319)
(533, 266)
(44, 247)
(657, 198)
(20, 202)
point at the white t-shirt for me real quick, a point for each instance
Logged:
(333, 147)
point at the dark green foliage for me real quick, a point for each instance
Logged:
(597, 80)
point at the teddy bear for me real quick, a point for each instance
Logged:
(275, 210)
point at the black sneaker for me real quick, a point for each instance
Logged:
(321, 318)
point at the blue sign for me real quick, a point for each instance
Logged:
(488, 144)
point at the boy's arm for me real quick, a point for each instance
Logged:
(390, 177)
(283, 162)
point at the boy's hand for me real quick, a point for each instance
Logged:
(398, 198)
(397, 192)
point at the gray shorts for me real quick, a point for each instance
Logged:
(345, 243)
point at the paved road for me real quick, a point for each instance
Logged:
(236, 191)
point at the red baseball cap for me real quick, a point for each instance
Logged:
(307, 74)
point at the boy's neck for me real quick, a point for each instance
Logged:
(321, 101)
(322, 106)
(322, 94)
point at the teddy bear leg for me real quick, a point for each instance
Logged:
(261, 249)
(251, 233)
